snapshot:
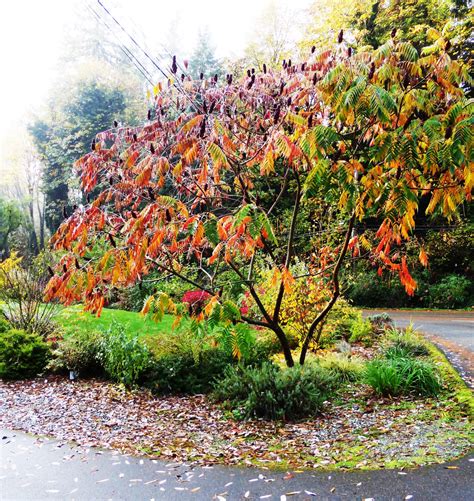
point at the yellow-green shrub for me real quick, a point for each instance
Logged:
(301, 304)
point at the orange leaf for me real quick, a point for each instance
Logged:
(287, 279)
(423, 257)
(147, 305)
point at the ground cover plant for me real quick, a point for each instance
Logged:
(197, 191)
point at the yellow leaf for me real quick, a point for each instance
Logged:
(275, 276)
(267, 165)
(217, 155)
(210, 305)
(194, 122)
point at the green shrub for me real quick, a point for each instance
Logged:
(338, 323)
(453, 291)
(451, 250)
(263, 349)
(79, 352)
(22, 354)
(370, 290)
(124, 356)
(133, 298)
(402, 376)
(362, 332)
(348, 369)
(190, 359)
(4, 325)
(180, 373)
(269, 392)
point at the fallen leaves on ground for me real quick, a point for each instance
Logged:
(192, 429)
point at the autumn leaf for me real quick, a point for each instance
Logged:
(423, 257)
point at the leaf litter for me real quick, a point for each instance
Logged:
(97, 413)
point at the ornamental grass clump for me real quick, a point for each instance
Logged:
(403, 376)
(348, 369)
(405, 345)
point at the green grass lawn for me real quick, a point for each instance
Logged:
(74, 318)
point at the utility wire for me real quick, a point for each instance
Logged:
(155, 64)
(135, 61)
(132, 39)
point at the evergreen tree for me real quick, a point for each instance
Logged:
(10, 220)
(203, 58)
(410, 19)
(66, 134)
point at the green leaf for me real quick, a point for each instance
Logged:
(313, 182)
(210, 230)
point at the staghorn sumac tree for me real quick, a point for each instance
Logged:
(367, 134)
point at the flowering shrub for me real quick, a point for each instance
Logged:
(245, 304)
(196, 300)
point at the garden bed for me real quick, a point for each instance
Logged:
(358, 431)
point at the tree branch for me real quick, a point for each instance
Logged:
(336, 292)
(180, 276)
(289, 249)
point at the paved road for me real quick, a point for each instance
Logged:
(34, 469)
(454, 326)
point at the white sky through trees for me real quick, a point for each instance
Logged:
(33, 33)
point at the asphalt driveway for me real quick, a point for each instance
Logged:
(34, 469)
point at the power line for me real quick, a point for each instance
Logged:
(135, 61)
(155, 64)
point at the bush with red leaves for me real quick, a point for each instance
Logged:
(196, 300)
(244, 304)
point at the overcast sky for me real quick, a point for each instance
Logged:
(33, 31)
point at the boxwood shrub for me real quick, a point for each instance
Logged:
(22, 354)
